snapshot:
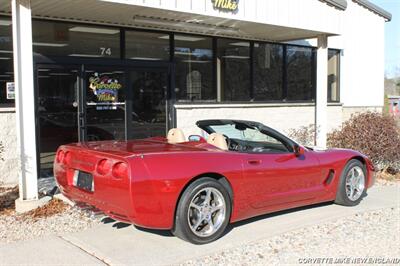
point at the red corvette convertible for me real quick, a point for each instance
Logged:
(196, 187)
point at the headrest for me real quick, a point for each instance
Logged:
(218, 140)
(175, 135)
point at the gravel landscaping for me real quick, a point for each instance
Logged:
(379, 231)
(373, 235)
(54, 219)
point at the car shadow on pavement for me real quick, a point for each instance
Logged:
(229, 228)
(119, 225)
(154, 231)
(232, 226)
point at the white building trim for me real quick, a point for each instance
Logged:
(24, 98)
(321, 97)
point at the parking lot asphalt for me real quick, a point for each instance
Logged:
(115, 243)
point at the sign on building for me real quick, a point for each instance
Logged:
(226, 5)
(10, 90)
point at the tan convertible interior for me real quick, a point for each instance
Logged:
(218, 140)
(175, 135)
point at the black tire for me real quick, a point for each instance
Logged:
(182, 227)
(341, 196)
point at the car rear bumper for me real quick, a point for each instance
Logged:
(84, 198)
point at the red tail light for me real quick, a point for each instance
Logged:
(60, 156)
(120, 170)
(67, 157)
(104, 166)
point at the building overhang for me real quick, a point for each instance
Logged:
(342, 5)
(257, 20)
(374, 8)
(206, 20)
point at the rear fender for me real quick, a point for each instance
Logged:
(159, 180)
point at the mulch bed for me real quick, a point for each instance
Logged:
(55, 206)
(8, 195)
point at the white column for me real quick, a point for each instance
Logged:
(322, 92)
(24, 98)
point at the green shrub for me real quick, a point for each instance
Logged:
(375, 135)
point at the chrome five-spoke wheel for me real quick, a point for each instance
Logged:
(203, 211)
(352, 184)
(206, 212)
(355, 183)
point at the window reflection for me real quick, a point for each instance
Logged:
(268, 60)
(233, 68)
(65, 39)
(333, 75)
(148, 103)
(57, 108)
(300, 73)
(6, 63)
(194, 66)
(105, 104)
(146, 46)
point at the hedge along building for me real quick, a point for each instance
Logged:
(120, 69)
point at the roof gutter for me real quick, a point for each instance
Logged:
(339, 4)
(374, 8)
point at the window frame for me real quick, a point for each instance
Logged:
(338, 69)
(171, 60)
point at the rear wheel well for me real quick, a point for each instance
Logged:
(220, 178)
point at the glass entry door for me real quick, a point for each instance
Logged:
(57, 109)
(149, 103)
(104, 103)
(92, 103)
(125, 103)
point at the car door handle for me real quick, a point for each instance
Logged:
(254, 162)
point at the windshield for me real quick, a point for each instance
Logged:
(244, 136)
(244, 133)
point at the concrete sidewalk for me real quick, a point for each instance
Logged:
(114, 243)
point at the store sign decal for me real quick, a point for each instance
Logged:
(10, 90)
(105, 88)
(226, 5)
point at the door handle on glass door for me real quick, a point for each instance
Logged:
(254, 161)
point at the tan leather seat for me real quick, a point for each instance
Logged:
(218, 140)
(175, 135)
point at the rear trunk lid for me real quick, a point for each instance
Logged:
(143, 146)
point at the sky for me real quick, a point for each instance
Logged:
(392, 37)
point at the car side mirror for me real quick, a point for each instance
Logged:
(298, 150)
(195, 138)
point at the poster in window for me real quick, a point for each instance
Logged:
(105, 88)
(10, 90)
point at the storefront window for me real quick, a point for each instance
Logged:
(6, 63)
(194, 66)
(146, 45)
(64, 39)
(268, 60)
(333, 75)
(300, 73)
(233, 70)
